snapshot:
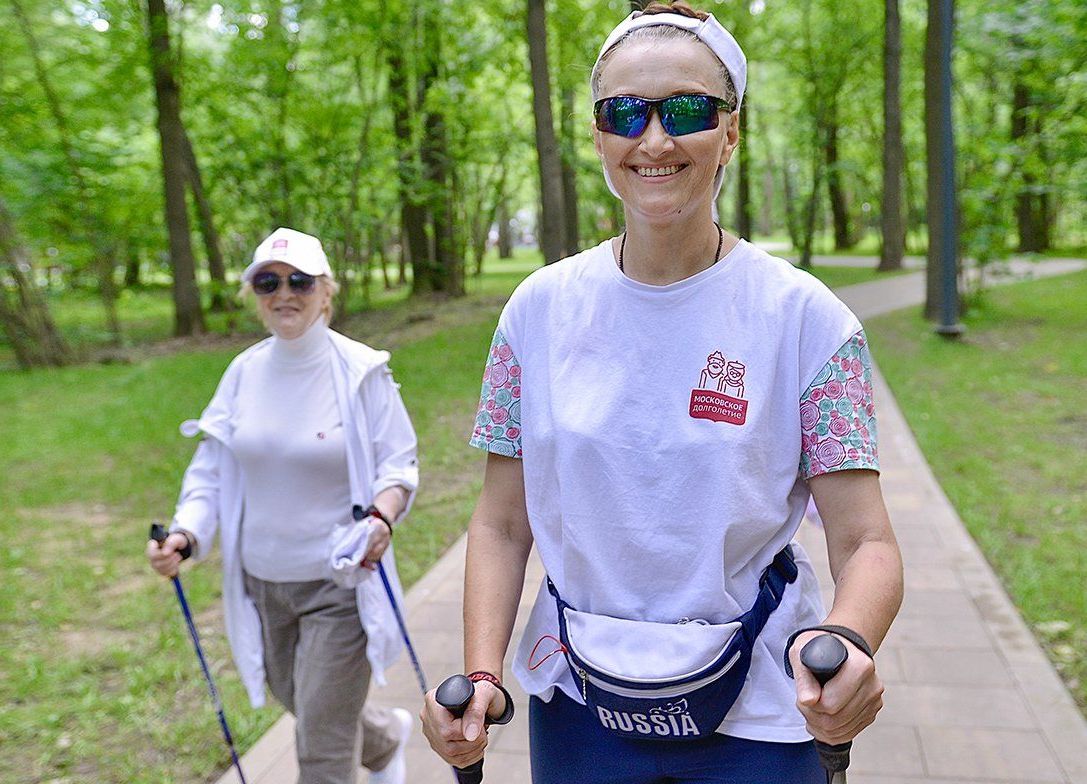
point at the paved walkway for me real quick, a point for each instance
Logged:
(970, 695)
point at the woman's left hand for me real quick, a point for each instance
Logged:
(837, 712)
(378, 543)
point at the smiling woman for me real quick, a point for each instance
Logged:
(657, 412)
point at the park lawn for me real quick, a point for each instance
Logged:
(838, 277)
(1000, 417)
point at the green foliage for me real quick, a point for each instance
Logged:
(1019, 376)
(286, 101)
(1039, 47)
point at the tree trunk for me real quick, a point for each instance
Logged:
(351, 216)
(1028, 208)
(220, 298)
(911, 193)
(402, 263)
(792, 225)
(550, 233)
(892, 225)
(942, 209)
(743, 180)
(24, 313)
(446, 273)
(766, 203)
(132, 269)
(569, 171)
(486, 216)
(188, 316)
(413, 219)
(811, 211)
(839, 209)
(505, 231)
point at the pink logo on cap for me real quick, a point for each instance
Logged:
(279, 244)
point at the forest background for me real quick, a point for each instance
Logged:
(409, 136)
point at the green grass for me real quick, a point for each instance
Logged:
(1067, 252)
(1001, 420)
(837, 277)
(100, 684)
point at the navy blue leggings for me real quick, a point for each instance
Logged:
(568, 745)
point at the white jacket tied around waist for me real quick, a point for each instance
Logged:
(380, 445)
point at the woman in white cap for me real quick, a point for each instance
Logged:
(663, 504)
(306, 445)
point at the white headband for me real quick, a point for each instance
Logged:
(709, 31)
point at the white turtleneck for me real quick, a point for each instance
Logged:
(289, 441)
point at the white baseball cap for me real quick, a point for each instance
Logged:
(301, 251)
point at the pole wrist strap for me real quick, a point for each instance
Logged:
(507, 714)
(841, 631)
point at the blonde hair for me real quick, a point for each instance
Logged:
(247, 295)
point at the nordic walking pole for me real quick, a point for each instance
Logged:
(359, 515)
(419, 676)
(158, 533)
(824, 656)
(454, 694)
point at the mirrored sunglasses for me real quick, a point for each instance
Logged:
(628, 115)
(265, 283)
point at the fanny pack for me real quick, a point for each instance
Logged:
(666, 681)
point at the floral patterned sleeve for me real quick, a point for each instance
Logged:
(498, 420)
(837, 419)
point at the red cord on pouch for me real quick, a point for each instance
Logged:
(536, 647)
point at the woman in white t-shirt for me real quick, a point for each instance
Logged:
(307, 453)
(657, 411)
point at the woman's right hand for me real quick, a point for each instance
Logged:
(460, 742)
(167, 559)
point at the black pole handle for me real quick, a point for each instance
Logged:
(454, 694)
(158, 533)
(824, 656)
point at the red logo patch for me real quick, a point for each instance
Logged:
(719, 396)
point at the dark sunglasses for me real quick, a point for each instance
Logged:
(628, 115)
(265, 283)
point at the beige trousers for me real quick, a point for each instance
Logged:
(315, 664)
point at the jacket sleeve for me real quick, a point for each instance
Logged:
(392, 435)
(198, 506)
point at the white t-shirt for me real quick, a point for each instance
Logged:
(289, 442)
(664, 448)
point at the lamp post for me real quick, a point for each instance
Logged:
(947, 234)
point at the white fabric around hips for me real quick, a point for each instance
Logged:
(639, 651)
